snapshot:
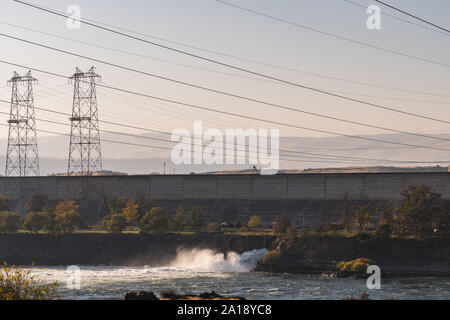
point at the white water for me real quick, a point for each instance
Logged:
(206, 260)
(197, 271)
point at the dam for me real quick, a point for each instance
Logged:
(309, 199)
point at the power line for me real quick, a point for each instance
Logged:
(228, 113)
(414, 16)
(296, 158)
(214, 61)
(206, 69)
(333, 35)
(398, 18)
(248, 98)
(133, 53)
(317, 156)
(255, 61)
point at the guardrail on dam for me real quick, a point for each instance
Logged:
(312, 198)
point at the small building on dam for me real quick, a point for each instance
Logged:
(308, 199)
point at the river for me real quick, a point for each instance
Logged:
(198, 271)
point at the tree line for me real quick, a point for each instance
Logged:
(421, 213)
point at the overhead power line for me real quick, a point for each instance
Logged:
(222, 72)
(333, 35)
(212, 60)
(260, 62)
(229, 113)
(398, 18)
(414, 16)
(316, 156)
(248, 98)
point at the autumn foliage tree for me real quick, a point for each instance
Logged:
(66, 216)
(254, 222)
(131, 211)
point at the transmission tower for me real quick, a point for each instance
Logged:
(22, 154)
(85, 157)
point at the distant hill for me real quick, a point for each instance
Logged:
(139, 160)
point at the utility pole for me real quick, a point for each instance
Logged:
(85, 155)
(22, 153)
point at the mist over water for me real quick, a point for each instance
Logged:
(205, 260)
(199, 270)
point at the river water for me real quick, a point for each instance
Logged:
(198, 271)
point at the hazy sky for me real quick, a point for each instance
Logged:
(214, 26)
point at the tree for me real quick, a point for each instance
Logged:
(179, 219)
(16, 283)
(385, 224)
(362, 217)
(442, 224)
(213, 227)
(116, 205)
(346, 219)
(155, 221)
(145, 205)
(418, 211)
(197, 221)
(67, 218)
(69, 221)
(38, 202)
(131, 211)
(383, 229)
(281, 225)
(254, 222)
(291, 233)
(66, 206)
(9, 222)
(386, 211)
(115, 223)
(37, 221)
(4, 203)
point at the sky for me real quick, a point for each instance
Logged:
(214, 26)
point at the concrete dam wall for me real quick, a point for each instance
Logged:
(307, 198)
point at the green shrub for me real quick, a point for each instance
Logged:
(37, 221)
(116, 204)
(383, 229)
(9, 222)
(69, 221)
(155, 221)
(114, 223)
(281, 225)
(38, 202)
(4, 203)
(16, 283)
(356, 266)
(179, 220)
(197, 221)
(213, 227)
(271, 257)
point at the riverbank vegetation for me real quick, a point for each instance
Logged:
(17, 283)
(421, 214)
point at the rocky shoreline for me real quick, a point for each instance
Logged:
(395, 257)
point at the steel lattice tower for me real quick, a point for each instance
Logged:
(22, 154)
(85, 157)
